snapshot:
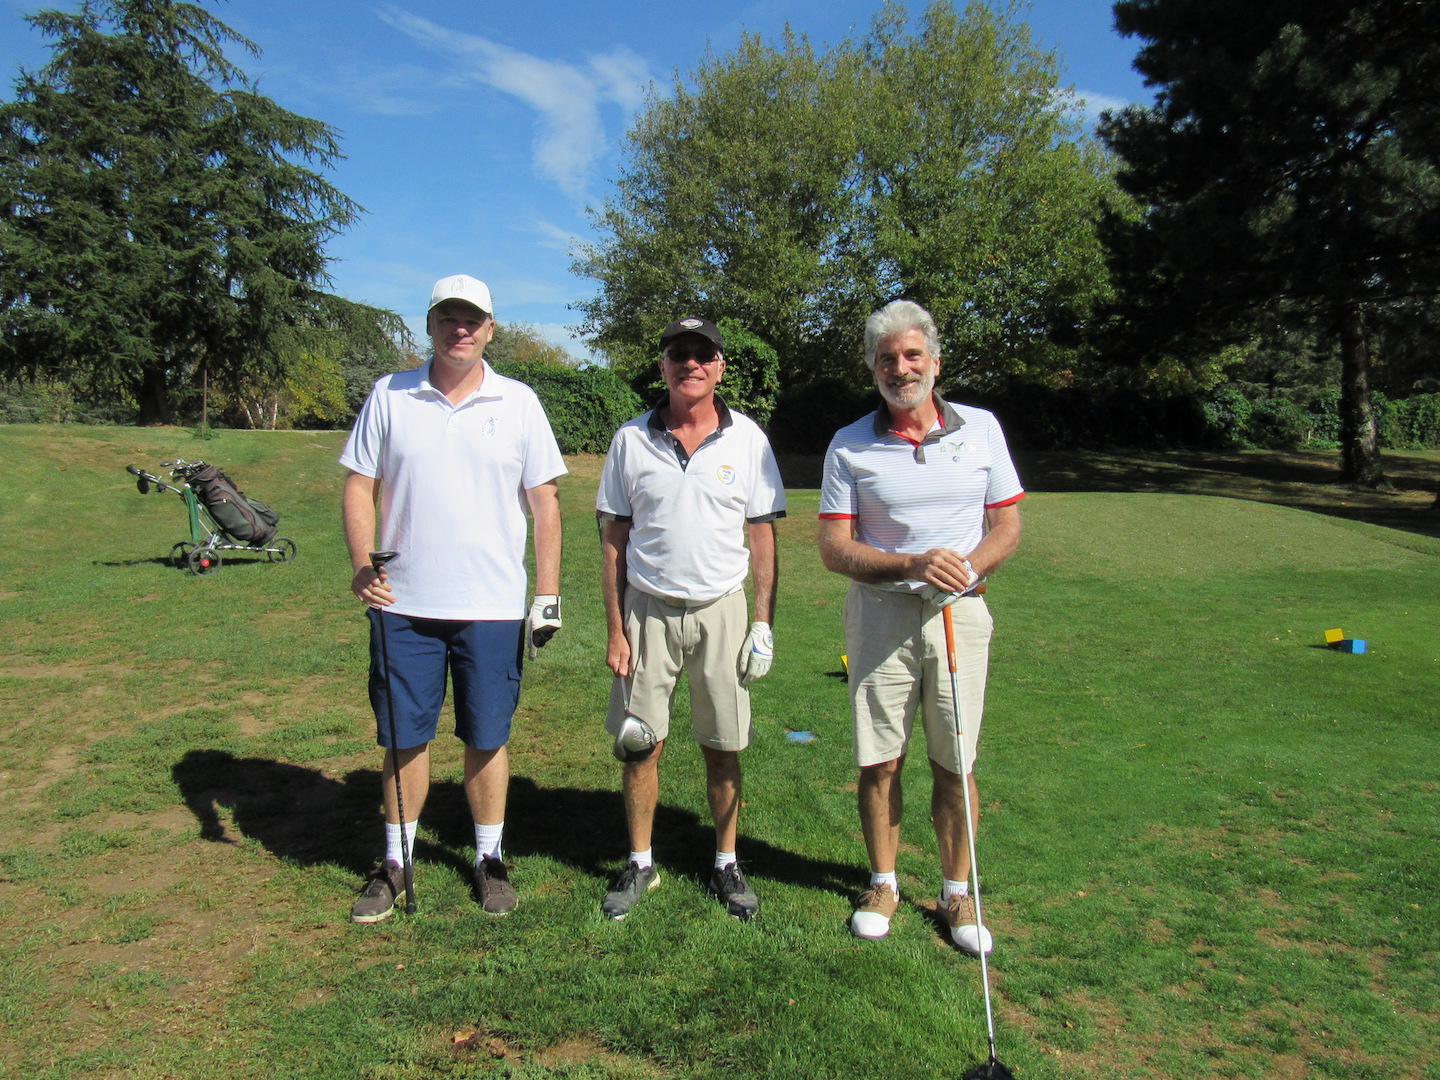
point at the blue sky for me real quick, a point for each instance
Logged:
(477, 134)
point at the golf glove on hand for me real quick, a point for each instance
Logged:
(758, 653)
(940, 597)
(944, 597)
(543, 621)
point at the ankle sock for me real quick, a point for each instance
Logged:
(488, 841)
(393, 851)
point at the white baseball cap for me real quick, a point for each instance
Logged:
(462, 287)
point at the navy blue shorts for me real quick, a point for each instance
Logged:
(481, 657)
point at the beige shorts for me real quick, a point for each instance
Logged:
(896, 648)
(703, 641)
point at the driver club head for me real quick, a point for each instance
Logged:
(379, 558)
(636, 740)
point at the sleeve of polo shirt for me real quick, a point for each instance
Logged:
(1004, 486)
(837, 487)
(767, 495)
(543, 460)
(366, 442)
(612, 499)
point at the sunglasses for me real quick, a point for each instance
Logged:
(701, 354)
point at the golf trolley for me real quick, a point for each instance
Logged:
(221, 517)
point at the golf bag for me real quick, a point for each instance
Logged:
(247, 521)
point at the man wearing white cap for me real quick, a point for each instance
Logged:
(452, 455)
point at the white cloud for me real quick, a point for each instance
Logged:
(552, 235)
(570, 137)
(1092, 105)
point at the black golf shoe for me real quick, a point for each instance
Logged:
(734, 891)
(634, 881)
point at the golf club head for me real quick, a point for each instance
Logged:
(379, 558)
(142, 484)
(989, 1070)
(636, 740)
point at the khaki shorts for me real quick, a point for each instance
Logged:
(705, 642)
(896, 647)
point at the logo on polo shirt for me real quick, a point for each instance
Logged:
(726, 474)
(955, 449)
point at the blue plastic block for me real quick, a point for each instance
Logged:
(1353, 645)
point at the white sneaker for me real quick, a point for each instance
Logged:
(968, 936)
(874, 909)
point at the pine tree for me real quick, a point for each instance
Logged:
(158, 215)
(1290, 170)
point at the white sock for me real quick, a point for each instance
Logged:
(643, 859)
(953, 888)
(393, 851)
(487, 841)
(723, 859)
(890, 879)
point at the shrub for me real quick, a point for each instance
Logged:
(585, 405)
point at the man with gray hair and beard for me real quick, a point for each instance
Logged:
(918, 506)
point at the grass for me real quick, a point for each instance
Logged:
(1208, 843)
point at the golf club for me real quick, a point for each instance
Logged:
(378, 559)
(635, 740)
(992, 1069)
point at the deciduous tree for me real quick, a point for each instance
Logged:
(796, 190)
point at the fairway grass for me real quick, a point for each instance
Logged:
(1208, 844)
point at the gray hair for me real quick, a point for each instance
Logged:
(897, 317)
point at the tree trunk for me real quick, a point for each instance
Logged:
(1359, 442)
(153, 397)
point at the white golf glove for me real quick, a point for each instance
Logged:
(542, 622)
(944, 597)
(758, 653)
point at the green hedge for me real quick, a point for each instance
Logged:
(585, 405)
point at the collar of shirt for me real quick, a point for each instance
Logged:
(490, 388)
(949, 419)
(658, 430)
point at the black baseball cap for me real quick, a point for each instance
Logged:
(704, 327)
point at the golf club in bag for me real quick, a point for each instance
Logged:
(992, 1069)
(377, 561)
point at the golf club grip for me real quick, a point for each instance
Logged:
(949, 637)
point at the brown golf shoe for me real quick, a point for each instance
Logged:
(958, 913)
(874, 908)
(493, 888)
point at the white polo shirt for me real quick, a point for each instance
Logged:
(688, 518)
(909, 497)
(453, 497)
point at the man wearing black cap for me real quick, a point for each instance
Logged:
(683, 488)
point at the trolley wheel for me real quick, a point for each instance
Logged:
(180, 554)
(203, 560)
(281, 549)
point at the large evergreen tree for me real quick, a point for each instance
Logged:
(157, 214)
(796, 191)
(1290, 170)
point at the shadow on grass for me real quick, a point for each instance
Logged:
(299, 814)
